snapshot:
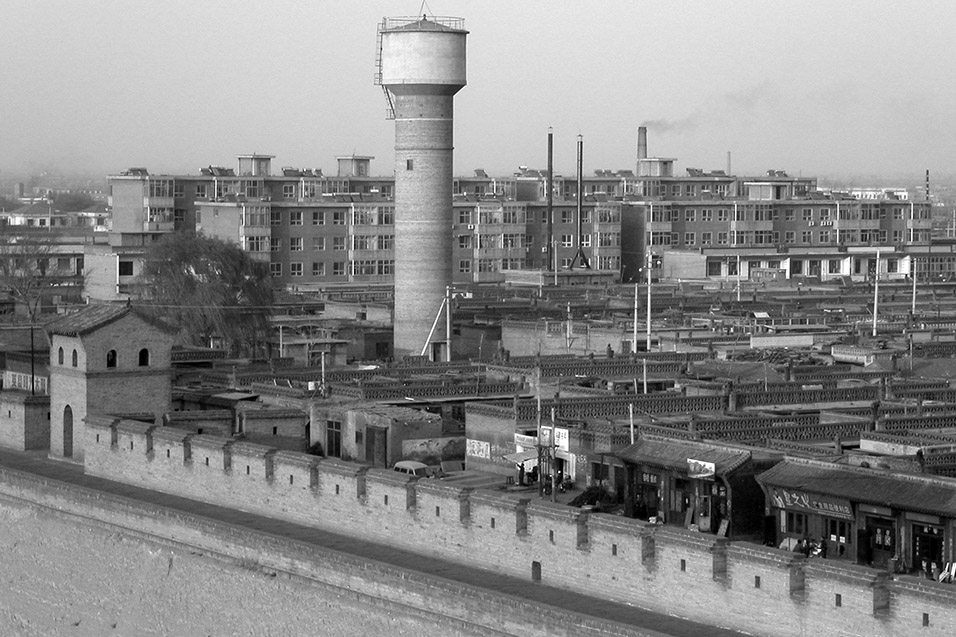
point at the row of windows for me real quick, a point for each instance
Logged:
(111, 357)
(763, 212)
(768, 237)
(362, 267)
(801, 266)
(465, 266)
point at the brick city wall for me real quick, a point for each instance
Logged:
(746, 587)
(452, 607)
(24, 420)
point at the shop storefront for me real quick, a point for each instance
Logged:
(693, 485)
(873, 517)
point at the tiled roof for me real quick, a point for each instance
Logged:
(94, 316)
(674, 454)
(929, 494)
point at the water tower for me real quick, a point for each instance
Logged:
(421, 65)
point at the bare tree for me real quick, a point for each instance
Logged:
(210, 289)
(30, 273)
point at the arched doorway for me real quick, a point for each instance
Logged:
(68, 432)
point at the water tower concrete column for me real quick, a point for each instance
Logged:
(422, 66)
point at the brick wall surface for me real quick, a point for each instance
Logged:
(667, 569)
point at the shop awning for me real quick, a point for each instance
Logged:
(923, 493)
(675, 454)
(521, 457)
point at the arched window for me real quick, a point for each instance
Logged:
(59, 356)
(74, 358)
(111, 358)
(144, 357)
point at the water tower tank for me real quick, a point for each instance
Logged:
(421, 66)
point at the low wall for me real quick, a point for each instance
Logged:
(751, 588)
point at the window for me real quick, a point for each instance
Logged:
(295, 218)
(74, 358)
(789, 236)
(723, 214)
(706, 238)
(111, 358)
(690, 238)
(567, 216)
(59, 356)
(126, 268)
(275, 217)
(333, 438)
(275, 244)
(338, 243)
(275, 269)
(179, 190)
(806, 237)
(338, 268)
(464, 266)
(288, 191)
(318, 218)
(707, 215)
(200, 191)
(824, 236)
(257, 244)
(318, 268)
(409, 164)
(808, 214)
(722, 238)
(690, 215)
(338, 218)
(295, 244)
(464, 216)
(794, 523)
(586, 241)
(834, 266)
(295, 269)
(318, 243)
(567, 241)
(464, 241)
(144, 357)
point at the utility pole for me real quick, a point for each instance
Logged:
(649, 257)
(876, 291)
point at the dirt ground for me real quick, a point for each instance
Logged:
(59, 577)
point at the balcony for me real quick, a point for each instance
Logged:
(159, 226)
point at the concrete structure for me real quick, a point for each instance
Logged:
(422, 66)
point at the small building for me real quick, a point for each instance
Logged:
(107, 359)
(874, 517)
(706, 487)
(381, 435)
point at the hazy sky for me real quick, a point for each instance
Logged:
(821, 87)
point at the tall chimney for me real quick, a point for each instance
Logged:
(550, 186)
(641, 142)
(728, 163)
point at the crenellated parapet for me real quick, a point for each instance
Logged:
(747, 587)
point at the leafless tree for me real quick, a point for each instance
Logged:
(30, 272)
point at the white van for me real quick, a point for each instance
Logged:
(414, 468)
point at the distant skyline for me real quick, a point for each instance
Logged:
(816, 87)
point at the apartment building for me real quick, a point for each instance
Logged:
(319, 230)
